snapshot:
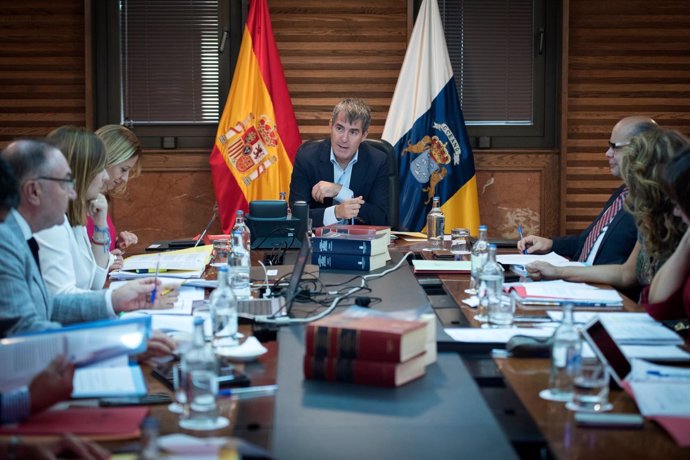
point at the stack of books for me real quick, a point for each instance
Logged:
(365, 349)
(350, 247)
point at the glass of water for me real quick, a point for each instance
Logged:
(460, 243)
(591, 388)
(221, 249)
(201, 408)
(180, 395)
(501, 312)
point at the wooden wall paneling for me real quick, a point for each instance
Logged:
(518, 188)
(622, 57)
(173, 198)
(42, 67)
(334, 50)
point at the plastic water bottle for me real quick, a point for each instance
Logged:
(150, 428)
(566, 356)
(239, 258)
(200, 375)
(435, 221)
(479, 255)
(490, 285)
(223, 310)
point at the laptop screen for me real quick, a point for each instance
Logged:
(607, 349)
(297, 271)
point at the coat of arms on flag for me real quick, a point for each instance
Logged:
(430, 165)
(245, 146)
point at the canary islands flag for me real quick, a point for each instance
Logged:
(257, 135)
(427, 129)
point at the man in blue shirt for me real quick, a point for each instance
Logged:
(341, 178)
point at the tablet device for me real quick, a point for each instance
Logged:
(607, 350)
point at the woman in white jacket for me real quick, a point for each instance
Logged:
(70, 260)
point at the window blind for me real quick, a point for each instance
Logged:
(169, 61)
(491, 48)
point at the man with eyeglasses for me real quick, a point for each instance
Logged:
(612, 235)
(45, 188)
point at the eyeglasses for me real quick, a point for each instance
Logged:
(69, 182)
(617, 145)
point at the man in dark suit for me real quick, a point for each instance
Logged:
(341, 178)
(612, 235)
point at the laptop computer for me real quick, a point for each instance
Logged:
(278, 306)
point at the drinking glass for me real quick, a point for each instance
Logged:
(221, 249)
(591, 388)
(501, 313)
(460, 242)
(179, 393)
(201, 409)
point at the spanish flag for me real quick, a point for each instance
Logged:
(426, 127)
(257, 135)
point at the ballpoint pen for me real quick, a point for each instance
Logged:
(524, 251)
(249, 392)
(155, 279)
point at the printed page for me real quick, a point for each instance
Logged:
(101, 382)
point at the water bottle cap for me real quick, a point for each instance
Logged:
(239, 212)
(223, 268)
(482, 227)
(492, 246)
(198, 320)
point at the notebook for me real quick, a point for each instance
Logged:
(278, 306)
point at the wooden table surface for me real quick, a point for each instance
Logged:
(528, 377)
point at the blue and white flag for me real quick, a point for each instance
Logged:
(427, 129)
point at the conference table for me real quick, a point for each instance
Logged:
(526, 377)
(468, 404)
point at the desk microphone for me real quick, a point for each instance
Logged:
(213, 217)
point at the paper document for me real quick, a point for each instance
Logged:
(184, 259)
(25, 356)
(478, 335)
(526, 259)
(442, 266)
(108, 382)
(183, 305)
(628, 328)
(563, 291)
(662, 398)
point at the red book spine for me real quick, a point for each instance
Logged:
(343, 343)
(350, 371)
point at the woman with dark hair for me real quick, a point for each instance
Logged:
(668, 297)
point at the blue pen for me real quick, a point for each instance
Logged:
(249, 392)
(524, 251)
(667, 374)
(155, 280)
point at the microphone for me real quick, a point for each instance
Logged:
(213, 217)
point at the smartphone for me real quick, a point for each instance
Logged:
(228, 376)
(146, 400)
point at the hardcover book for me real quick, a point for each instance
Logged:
(344, 243)
(377, 373)
(362, 230)
(370, 338)
(349, 261)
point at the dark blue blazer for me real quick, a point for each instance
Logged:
(369, 180)
(618, 241)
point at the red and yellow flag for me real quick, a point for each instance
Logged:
(257, 135)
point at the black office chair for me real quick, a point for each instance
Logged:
(393, 177)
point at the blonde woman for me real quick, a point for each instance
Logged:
(70, 260)
(122, 153)
(659, 229)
